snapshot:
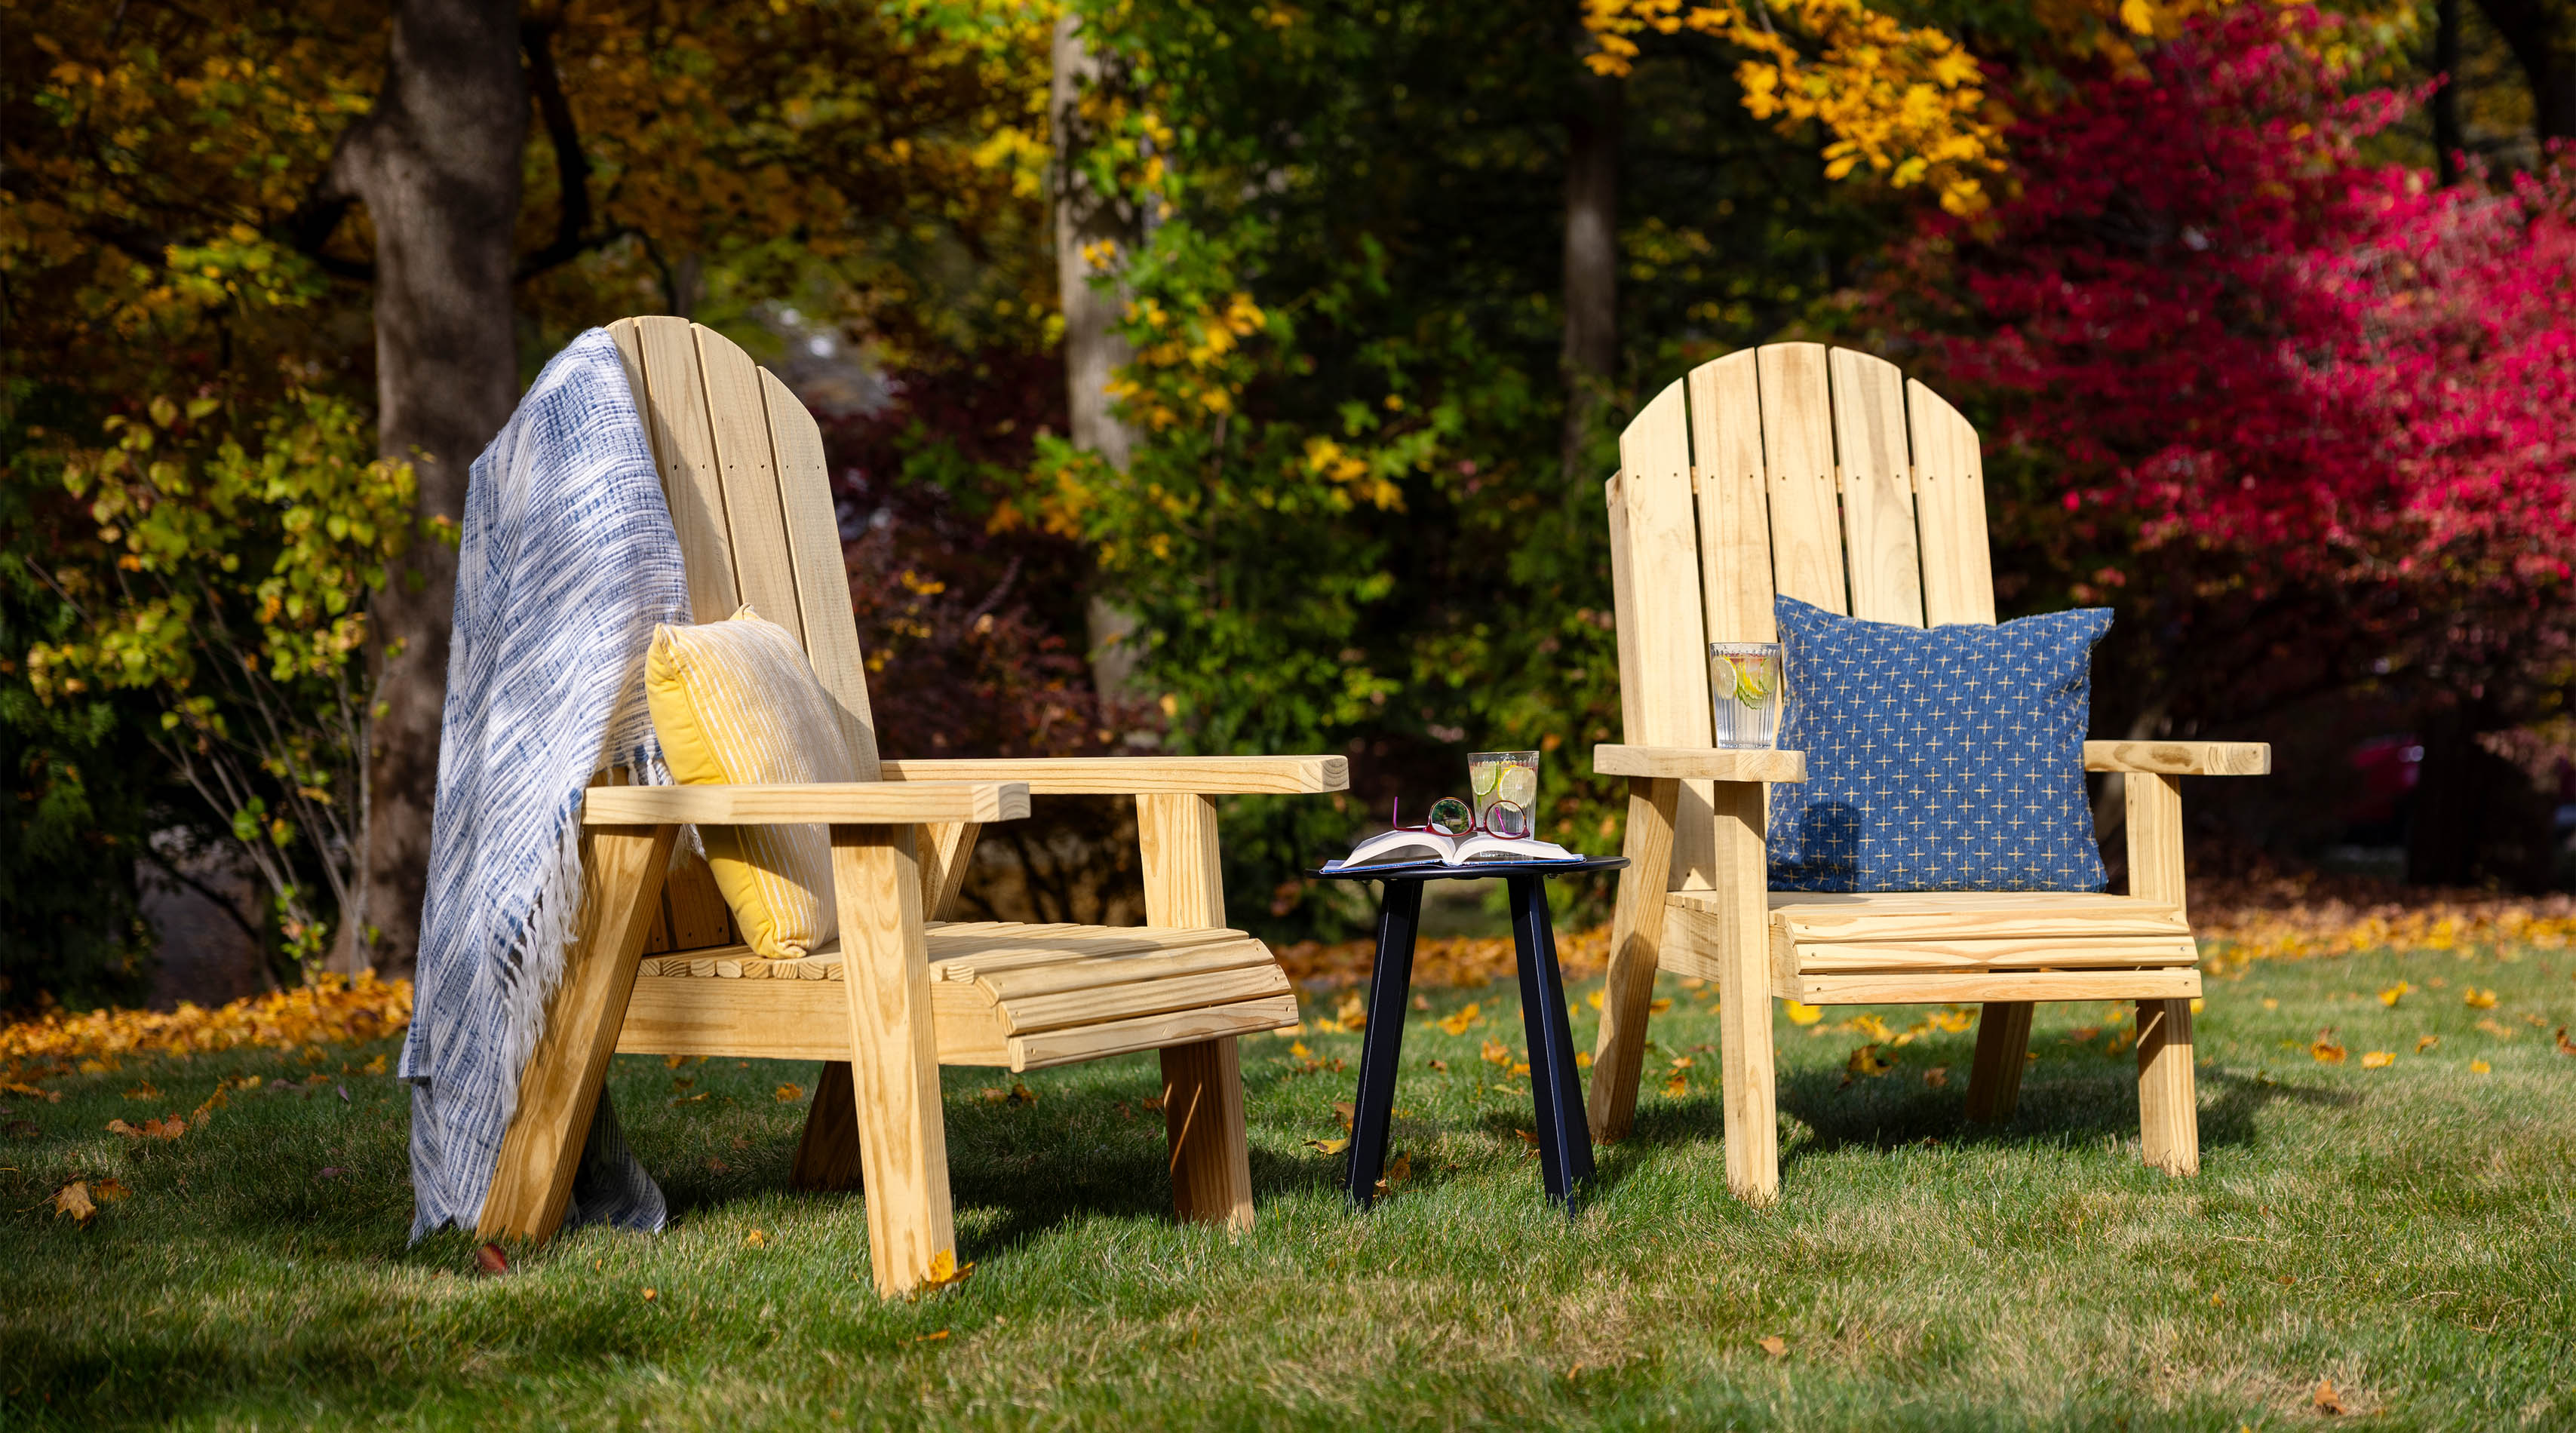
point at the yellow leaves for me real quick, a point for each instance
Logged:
(1658, 1006)
(1499, 1055)
(170, 1128)
(788, 1094)
(1937, 1077)
(1676, 1087)
(2138, 16)
(2479, 1067)
(1456, 1024)
(945, 1272)
(2394, 993)
(2377, 1060)
(1952, 1019)
(2477, 999)
(1352, 1011)
(2565, 1046)
(334, 1010)
(1773, 1345)
(1329, 1146)
(1866, 1062)
(73, 1199)
(2426, 1042)
(1803, 1014)
(2325, 1400)
(2495, 1027)
(757, 1240)
(2324, 1050)
(1018, 1094)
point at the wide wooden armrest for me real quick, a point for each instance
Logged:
(1139, 775)
(2181, 758)
(1701, 763)
(847, 803)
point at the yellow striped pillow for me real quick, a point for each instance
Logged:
(736, 703)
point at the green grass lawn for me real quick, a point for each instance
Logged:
(2407, 1232)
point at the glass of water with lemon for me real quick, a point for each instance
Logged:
(1505, 784)
(1744, 684)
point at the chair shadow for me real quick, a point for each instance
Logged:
(2067, 1101)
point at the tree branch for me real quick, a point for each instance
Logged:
(572, 167)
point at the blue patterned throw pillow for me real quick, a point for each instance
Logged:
(1940, 759)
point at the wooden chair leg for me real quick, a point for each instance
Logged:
(622, 870)
(1744, 993)
(1202, 1083)
(1211, 1150)
(2168, 1105)
(2003, 1043)
(827, 1154)
(1636, 946)
(903, 1138)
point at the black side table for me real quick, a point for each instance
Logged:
(1564, 1136)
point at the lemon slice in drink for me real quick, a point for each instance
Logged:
(1481, 776)
(1753, 683)
(1721, 677)
(1518, 785)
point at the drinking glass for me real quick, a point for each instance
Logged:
(1505, 784)
(1744, 680)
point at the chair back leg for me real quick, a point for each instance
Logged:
(2003, 1045)
(622, 869)
(1636, 951)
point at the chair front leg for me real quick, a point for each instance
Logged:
(1202, 1082)
(1744, 995)
(2168, 1103)
(903, 1138)
(827, 1154)
(622, 868)
(1636, 948)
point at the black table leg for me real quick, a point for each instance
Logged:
(1564, 1139)
(1382, 1043)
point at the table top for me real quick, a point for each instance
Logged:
(1479, 871)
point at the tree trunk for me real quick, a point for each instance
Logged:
(1089, 223)
(2542, 36)
(437, 166)
(1591, 262)
(2446, 100)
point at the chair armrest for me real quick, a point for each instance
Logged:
(1138, 775)
(1701, 763)
(845, 803)
(2181, 758)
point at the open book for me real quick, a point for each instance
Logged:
(1425, 848)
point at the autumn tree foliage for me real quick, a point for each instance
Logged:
(2302, 416)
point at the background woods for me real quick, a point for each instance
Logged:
(1241, 377)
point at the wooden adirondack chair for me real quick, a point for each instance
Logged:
(657, 968)
(1829, 477)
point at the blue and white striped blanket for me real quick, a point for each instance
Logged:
(567, 563)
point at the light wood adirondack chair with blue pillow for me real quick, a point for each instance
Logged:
(658, 968)
(1828, 477)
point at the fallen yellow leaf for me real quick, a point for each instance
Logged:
(2327, 1401)
(1593, 1000)
(789, 1094)
(2394, 993)
(2495, 1027)
(1775, 1345)
(73, 1199)
(1803, 1014)
(2565, 1045)
(1298, 1051)
(1952, 1020)
(1658, 1006)
(1457, 1024)
(1937, 1076)
(2477, 999)
(1867, 1061)
(1352, 1012)
(2377, 1060)
(145, 1091)
(756, 1239)
(2426, 1042)
(2479, 1067)
(944, 1271)
(1583, 1059)
(1498, 1054)
(1676, 1087)
(2325, 1050)
(1328, 1146)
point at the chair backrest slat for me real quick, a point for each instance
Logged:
(1654, 567)
(1820, 473)
(822, 577)
(1734, 515)
(1798, 457)
(763, 572)
(1950, 507)
(1886, 576)
(674, 401)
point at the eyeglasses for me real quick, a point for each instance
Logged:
(1453, 817)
